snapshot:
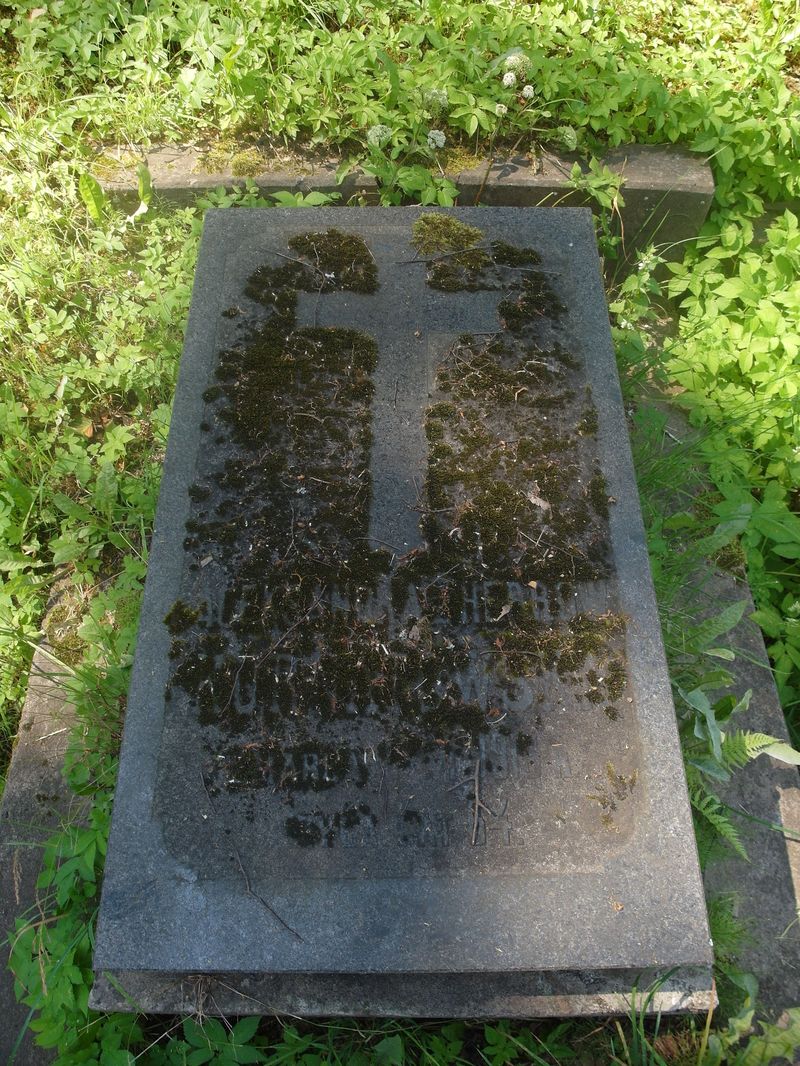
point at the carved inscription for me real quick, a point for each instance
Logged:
(378, 620)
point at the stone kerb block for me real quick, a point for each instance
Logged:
(667, 191)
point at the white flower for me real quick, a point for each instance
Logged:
(378, 136)
(500, 110)
(528, 91)
(516, 62)
(510, 79)
(435, 100)
(436, 139)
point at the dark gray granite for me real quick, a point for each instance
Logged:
(487, 839)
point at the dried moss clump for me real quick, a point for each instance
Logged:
(340, 260)
(181, 617)
(535, 300)
(111, 166)
(458, 264)
(613, 790)
(456, 159)
(510, 255)
(502, 465)
(598, 494)
(215, 160)
(532, 646)
(303, 832)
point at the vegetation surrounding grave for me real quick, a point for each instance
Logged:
(92, 311)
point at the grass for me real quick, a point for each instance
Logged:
(92, 308)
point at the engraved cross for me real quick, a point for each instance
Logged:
(413, 326)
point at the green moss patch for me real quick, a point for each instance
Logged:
(434, 233)
(460, 262)
(248, 162)
(61, 627)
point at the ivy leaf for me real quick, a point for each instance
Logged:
(214, 1031)
(316, 199)
(568, 136)
(245, 1054)
(726, 157)
(731, 289)
(200, 1056)
(194, 1033)
(117, 1058)
(788, 550)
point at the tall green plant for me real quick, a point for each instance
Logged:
(737, 358)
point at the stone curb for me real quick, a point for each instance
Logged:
(667, 191)
(767, 887)
(35, 803)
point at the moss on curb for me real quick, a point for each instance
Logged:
(247, 163)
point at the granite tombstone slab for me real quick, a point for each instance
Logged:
(399, 737)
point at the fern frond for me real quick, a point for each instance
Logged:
(728, 931)
(708, 806)
(742, 745)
